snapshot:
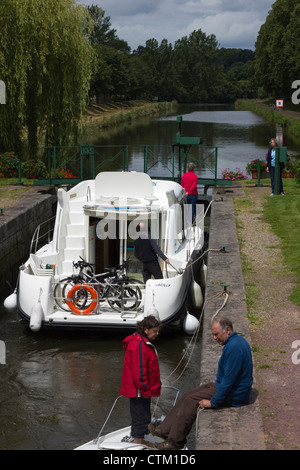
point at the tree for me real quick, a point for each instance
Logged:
(196, 71)
(276, 48)
(46, 62)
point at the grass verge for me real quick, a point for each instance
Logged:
(283, 214)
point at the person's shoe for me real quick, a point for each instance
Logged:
(141, 441)
(271, 194)
(282, 194)
(166, 445)
(155, 431)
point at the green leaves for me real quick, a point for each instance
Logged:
(277, 48)
(46, 64)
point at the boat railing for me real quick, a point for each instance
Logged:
(121, 396)
(42, 234)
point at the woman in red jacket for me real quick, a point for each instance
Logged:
(141, 377)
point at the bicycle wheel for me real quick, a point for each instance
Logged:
(59, 295)
(61, 291)
(124, 295)
(82, 298)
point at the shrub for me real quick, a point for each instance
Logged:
(232, 175)
(34, 169)
(61, 174)
(253, 165)
(296, 169)
(9, 165)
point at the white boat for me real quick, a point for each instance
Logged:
(121, 438)
(96, 220)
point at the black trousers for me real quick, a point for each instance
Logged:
(151, 268)
(140, 416)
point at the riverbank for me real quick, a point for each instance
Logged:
(274, 319)
(264, 314)
(289, 120)
(109, 115)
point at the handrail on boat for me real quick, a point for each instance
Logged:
(120, 396)
(36, 235)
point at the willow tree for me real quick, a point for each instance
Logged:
(46, 63)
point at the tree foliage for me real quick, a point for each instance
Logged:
(45, 61)
(277, 48)
(56, 55)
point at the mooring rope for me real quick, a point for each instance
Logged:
(193, 343)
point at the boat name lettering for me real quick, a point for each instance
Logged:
(162, 284)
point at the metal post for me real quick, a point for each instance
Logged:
(19, 171)
(216, 165)
(81, 166)
(145, 158)
(92, 161)
(277, 173)
(258, 175)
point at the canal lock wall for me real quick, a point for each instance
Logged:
(17, 226)
(225, 428)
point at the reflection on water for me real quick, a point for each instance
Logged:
(56, 389)
(240, 135)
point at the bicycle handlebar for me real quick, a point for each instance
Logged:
(84, 264)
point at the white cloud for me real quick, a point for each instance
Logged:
(235, 23)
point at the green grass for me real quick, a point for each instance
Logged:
(283, 214)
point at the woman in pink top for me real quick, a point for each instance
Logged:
(189, 182)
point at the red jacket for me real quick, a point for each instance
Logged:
(189, 182)
(141, 377)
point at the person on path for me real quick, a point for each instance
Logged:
(141, 375)
(232, 388)
(271, 166)
(146, 250)
(189, 183)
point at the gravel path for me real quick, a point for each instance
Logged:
(276, 327)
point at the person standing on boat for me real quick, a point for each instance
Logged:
(232, 388)
(141, 376)
(147, 250)
(271, 166)
(189, 182)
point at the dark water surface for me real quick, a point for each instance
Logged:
(57, 389)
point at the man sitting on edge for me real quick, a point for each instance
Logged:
(232, 388)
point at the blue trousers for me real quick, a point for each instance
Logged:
(192, 200)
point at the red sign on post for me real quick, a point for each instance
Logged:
(279, 103)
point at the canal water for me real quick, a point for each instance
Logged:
(57, 389)
(240, 136)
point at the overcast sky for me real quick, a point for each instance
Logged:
(235, 23)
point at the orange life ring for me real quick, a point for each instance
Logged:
(85, 311)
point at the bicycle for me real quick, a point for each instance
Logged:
(80, 292)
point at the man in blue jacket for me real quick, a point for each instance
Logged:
(232, 387)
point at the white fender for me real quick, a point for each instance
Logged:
(153, 311)
(10, 303)
(196, 294)
(190, 324)
(37, 315)
(203, 273)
